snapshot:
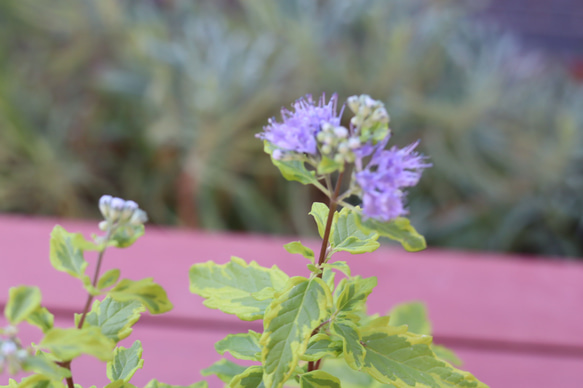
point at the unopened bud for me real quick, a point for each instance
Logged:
(354, 143)
(339, 159)
(343, 148)
(139, 217)
(380, 115)
(341, 132)
(104, 203)
(326, 149)
(8, 348)
(353, 103)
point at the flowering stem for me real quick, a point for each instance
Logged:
(324, 248)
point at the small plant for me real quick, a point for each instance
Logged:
(316, 332)
(101, 324)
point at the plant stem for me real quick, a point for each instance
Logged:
(67, 364)
(324, 248)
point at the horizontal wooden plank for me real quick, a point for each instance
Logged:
(469, 295)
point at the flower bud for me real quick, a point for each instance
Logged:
(139, 217)
(104, 203)
(326, 149)
(341, 132)
(353, 103)
(354, 142)
(380, 115)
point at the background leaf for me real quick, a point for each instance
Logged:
(67, 344)
(150, 294)
(125, 362)
(22, 302)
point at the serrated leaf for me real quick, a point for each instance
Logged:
(22, 302)
(288, 324)
(350, 378)
(328, 276)
(40, 381)
(224, 370)
(66, 251)
(150, 294)
(114, 318)
(156, 384)
(120, 384)
(299, 248)
(351, 293)
(352, 349)
(125, 362)
(319, 379)
(314, 269)
(398, 229)
(41, 318)
(230, 287)
(340, 266)
(412, 314)
(394, 356)
(320, 213)
(251, 377)
(321, 345)
(89, 287)
(66, 344)
(42, 365)
(244, 346)
(126, 235)
(347, 236)
(108, 279)
(446, 354)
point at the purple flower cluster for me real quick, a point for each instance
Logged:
(386, 175)
(298, 129)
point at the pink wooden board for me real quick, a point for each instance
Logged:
(503, 314)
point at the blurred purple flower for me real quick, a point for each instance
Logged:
(298, 129)
(385, 177)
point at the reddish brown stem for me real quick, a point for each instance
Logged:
(324, 249)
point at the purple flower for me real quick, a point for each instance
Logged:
(298, 129)
(385, 177)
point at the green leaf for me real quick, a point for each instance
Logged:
(224, 370)
(320, 213)
(352, 348)
(321, 345)
(42, 365)
(414, 315)
(66, 344)
(289, 321)
(125, 362)
(114, 318)
(328, 166)
(394, 356)
(244, 346)
(293, 170)
(319, 379)
(231, 287)
(339, 265)
(251, 377)
(446, 354)
(156, 384)
(350, 378)
(22, 302)
(87, 284)
(347, 236)
(297, 247)
(351, 294)
(126, 235)
(66, 251)
(120, 384)
(150, 294)
(42, 318)
(314, 269)
(108, 279)
(329, 277)
(40, 381)
(398, 229)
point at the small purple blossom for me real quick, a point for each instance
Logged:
(385, 177)
(298, 129)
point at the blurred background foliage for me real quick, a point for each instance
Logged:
(159, 101)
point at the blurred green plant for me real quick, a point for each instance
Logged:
(157, 101)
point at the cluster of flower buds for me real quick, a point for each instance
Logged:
(12, 354)
(370, 119)
(336, 143)
(119, 212)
